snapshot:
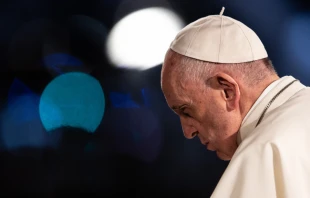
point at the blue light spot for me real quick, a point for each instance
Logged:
(20, 121)
(73, 99)
(298, 40)
(59, 60)
(121, 100)
(22, 109)
(18, 88)
(145, 97)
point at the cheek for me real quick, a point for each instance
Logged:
(226, 136)
(213, 119)
(219, 125)
(207, 118)
(217, 120)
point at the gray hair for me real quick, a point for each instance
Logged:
(251, 73)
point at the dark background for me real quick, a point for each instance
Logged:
(138, 149)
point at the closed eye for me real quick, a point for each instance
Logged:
(184, 113)
(187, 115)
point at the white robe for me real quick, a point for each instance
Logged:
(272, 159)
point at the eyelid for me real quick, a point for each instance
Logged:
(183, 110)
(186, 114)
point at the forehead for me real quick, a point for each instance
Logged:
(169, 65)
(177, 99)
(175, 88)
(168, 74)
(178, 92)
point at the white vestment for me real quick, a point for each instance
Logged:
(272, 159)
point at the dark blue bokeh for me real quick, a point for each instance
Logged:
(57, 61)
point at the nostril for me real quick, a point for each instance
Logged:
(194, 134)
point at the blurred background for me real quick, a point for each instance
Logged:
(82, 111)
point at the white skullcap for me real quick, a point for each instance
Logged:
(219, 39)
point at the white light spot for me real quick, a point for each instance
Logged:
(141, 39)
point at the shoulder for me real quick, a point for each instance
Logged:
(291, 119)
(290, 122)
(284, 130)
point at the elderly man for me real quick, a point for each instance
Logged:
(218, 79)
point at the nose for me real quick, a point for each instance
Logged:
(189, 130)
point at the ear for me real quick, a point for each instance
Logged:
(230, 90)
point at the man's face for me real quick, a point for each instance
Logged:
(203, 111)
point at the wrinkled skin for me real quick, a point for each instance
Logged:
(214, 106)
(208, 109)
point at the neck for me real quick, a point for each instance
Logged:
(251, 95)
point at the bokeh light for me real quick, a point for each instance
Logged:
(59, 63)
(20, 121)
(73, 99)
(296, 45)
(122, 100)
(141, 39)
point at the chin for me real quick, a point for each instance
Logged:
(223, 156)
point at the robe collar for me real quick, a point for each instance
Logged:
(257, 109)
